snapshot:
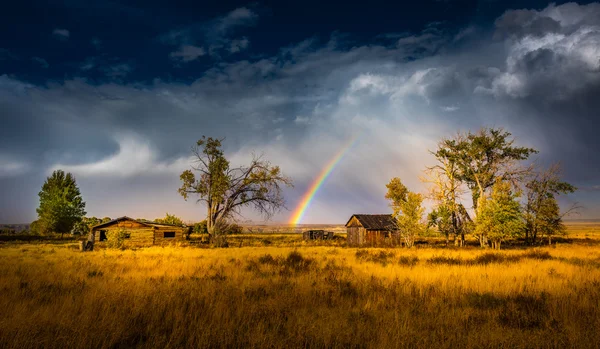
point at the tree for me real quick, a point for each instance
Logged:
(449, 215)
(200, 228)
(499, 216)
(408, 210)
(542, 212)
(170, 219)
(61, 205)
(83, 227)
(226, 190)
(482, 158)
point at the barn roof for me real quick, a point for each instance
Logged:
(376, 221)
(125, 218)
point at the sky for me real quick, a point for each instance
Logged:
(117, 92)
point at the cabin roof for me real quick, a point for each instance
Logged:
(376, 221)
(146, 223)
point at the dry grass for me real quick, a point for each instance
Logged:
(274, 296)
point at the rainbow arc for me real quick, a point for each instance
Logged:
(317, 183)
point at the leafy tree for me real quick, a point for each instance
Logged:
(542, 212)
(170, 219)
(499, 217)
(83, 227)
(200, 228)
(226, 190)
(105, 219)
(446, 189)
(408, 210)
(61, 205)
(483, 157)
(37, 227)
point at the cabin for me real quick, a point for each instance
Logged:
(371, 229)
(139, 232)
(317, 235)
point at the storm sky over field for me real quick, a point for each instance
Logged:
(117, 92)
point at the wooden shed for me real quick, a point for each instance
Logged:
(371, 229)
(317, 235)
(140, 232)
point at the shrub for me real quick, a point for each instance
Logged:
(445, 260)
(409, 261)
(297, 262)
(537, 254)
(116, 239)
(381, 257)
(267, 259)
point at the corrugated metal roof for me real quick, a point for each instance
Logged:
(376, 221)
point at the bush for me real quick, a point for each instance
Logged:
(537, 254)
(409, 261)
(116, 239)
(235, 229)
(445, 260)
(381, 257)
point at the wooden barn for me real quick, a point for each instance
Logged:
(140, 232)
(371, 229)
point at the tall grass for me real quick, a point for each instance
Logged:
(313, 297)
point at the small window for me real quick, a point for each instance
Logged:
(169, 234)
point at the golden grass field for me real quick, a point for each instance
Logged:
(287, 293)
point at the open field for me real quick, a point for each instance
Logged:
(291, 294)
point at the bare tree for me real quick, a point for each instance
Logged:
(226, 190)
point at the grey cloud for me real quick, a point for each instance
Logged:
(63, 34)
(217, 35)
(42, 62)
(520, 23)
(188, 53)
(6, 54)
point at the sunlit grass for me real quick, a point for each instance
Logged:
(305, 296)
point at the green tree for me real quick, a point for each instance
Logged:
(446, 189)
(483, 157)
(83, 227)
(542, 212)
(226, 190)
(170, 219)
(200, 228)
(408, 210)
(61, 204)
(499, 216)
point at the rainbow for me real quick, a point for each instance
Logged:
(309, 195)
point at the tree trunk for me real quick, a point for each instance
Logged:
(549, 240)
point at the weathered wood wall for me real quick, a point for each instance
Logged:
(159, 234)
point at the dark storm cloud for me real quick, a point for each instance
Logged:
(214, 37)
(400, 94)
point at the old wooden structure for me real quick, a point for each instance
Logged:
(139, 232)
(317, 235)
(371, 229)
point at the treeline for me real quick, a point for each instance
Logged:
(486, 169)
